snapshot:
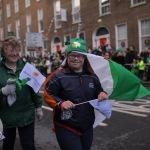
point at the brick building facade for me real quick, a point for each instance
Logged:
(120, 23)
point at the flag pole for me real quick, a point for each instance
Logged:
(84, 102)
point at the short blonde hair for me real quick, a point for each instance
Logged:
(9, 41)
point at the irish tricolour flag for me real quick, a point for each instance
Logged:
(118, 82)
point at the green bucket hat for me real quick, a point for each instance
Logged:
(118, 50)
(76, 44)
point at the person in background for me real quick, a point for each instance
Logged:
(148, 65)
(57, 62)
(131, 54)
(107, 55)
(134, 68)
(95, 51)
(74, 83)
(47, 66)
(141, 68)
(20, 105)
(118, 57)
(89, 51)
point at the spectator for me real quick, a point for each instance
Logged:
(134, 68)
(141, 67)
(95, 51)
(130, 56)
(118, 57)
(20, 105)
(148, 66)
(107, 55)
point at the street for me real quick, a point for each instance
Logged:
(127, 129)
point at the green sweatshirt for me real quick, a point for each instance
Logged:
(22, 112)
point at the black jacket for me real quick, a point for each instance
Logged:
(68, 85)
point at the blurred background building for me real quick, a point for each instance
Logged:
(119, 23)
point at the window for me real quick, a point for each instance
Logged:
(121, 36)
(37, 0)
(18, 29)
(28, 20)
(57, 13)
(0, 14)
(16, 6)
(144, 28)
(82, 35)
(27, 3)
(104, 7)
(1, 34)
(66, 38)
(40, 20)
(8, 10)
(102, 31)
(9, 27)
(76, 11)
(137, 2)
(45, 44)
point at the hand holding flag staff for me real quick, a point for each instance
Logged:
(103, 107)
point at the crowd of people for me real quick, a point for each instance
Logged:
(137, 63)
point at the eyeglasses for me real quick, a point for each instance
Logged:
(72, 56)
(13, 50)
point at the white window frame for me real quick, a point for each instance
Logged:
(8, 10)
(9, 27)
(76, 18)
(137, 3)
(28, 22)
(27, 3)
(1, 34)
(16, 5)
(40, 20)
(121, 31)
(57, 14)
(18, 29)
(104, 6)
(143, 37)
(0, 14)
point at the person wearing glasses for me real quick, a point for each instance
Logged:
(72, 84)
(17, 106)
